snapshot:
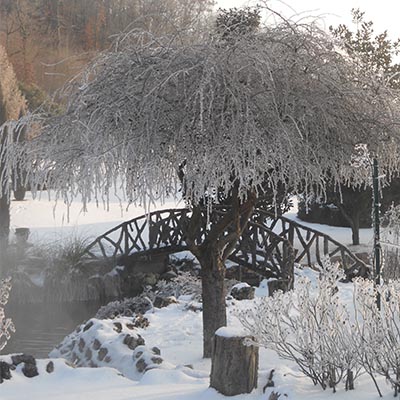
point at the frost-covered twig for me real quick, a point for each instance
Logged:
(6, 325)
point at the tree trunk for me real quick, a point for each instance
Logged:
(234, 366)
(355, 228)
(213, 293)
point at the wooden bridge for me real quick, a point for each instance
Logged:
(270, 245)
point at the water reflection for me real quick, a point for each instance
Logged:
(40, 327)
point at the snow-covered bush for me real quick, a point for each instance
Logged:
(6, 325)
(379, 330)
(391, 243)
(184, 284)
(126, 308)
(309, 327)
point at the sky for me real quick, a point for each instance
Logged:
(384, 13)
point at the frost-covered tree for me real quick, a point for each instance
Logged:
(12, 105)
(241, 116)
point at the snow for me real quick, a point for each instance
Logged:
(176, 330)
(230, 332)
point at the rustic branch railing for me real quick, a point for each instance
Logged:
(312, 245)
(266, 246)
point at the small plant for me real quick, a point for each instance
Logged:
(6, 325)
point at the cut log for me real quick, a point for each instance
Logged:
(234, 365)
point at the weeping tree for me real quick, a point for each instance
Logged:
(238, 114)
(12, 106)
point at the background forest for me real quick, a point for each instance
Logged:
(49, 41)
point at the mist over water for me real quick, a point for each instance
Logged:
(42, 326)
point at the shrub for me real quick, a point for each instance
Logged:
(6, 325)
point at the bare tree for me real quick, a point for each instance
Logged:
(236, 115)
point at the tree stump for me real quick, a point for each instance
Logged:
(234, 366)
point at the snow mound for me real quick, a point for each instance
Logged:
(110, 343)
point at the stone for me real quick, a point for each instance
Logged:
(141, 365)
(133, 342)
(50, 367)
(243, 292)
(117, 327)
(5, 372)
(23, 358)
(138, 354)
(107, 359)
(156, 350)
(156, 360)
(141, 322)
(96, 344)
(88, 353)
(161, 302)
(88, 326)
(102, 353)
(30, 370)
(281, 284)
(81, 345)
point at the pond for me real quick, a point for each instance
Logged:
(40, 327)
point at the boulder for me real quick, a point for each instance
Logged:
(243, 291)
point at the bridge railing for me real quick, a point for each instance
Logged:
(142, 234)
(312, 246)
(270, 245)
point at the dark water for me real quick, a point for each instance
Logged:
(40, 327)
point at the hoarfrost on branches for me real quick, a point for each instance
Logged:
(309, 328)
(6, 325)
(272, 106)
(331, 341)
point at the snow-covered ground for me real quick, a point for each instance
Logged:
(175, 330)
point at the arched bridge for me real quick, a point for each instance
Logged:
(270, 245)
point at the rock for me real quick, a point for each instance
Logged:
(5, 372)
(23, 358)
(107, 359)
(161, 302)
(88, 353)
(88, 326)
(156, 350)
(243, 292)
(133, 342)
(138, 354)
(30, 370)
(130, 326)
(279, 284)
(102, 353)
(156, 360)
(141, 365)
(141, 322)
(81, 345)
(96, 344)
(117, 327)
(50, 367)
(195, 307)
